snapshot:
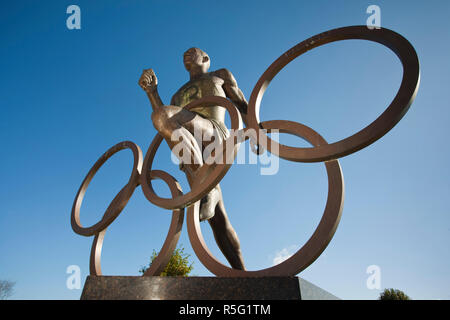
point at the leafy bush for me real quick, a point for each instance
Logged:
(393, 294)
(178, 265)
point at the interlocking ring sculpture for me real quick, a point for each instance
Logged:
(211, 172)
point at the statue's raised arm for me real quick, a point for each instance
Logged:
(149, 83)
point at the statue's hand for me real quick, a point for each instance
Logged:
(148, 80)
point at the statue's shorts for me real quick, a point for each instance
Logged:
(220, 131)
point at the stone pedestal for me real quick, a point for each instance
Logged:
(201, 288)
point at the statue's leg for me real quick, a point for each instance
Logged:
(182, 125)
(225, 236)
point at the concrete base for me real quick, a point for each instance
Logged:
(201, 288)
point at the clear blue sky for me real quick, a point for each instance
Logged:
(68, 95)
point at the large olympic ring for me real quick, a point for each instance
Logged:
(211, 174)
(384, 123)
(315, 245)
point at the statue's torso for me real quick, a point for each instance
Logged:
(207, 85)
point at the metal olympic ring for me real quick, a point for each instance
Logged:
(118, 204)
(120, 200)
(209, 174)
(384, 123)
(316, 243)
(163, 257)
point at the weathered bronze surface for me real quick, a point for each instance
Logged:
(201, 104)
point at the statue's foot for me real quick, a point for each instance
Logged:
(208, 204)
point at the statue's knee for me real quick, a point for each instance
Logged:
(162, 121)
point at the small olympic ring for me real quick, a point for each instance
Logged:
(121, 199)
(212, 172)
(163, 257)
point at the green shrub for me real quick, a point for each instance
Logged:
(393, 294)
(178, 265)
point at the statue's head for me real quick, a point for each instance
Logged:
(196, 60)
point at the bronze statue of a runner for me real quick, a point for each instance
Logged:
(173, 120)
